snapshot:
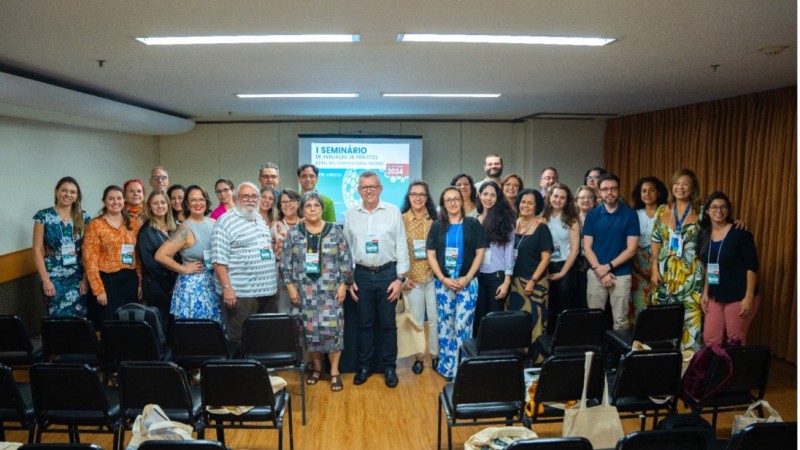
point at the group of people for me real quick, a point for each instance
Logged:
(487, 246)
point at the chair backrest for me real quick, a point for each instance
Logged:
(161, 382)
(195, 341)
(579, 330)
(156, 444)
(750, 370)
(663, 440)
(236, 382)
(489, 379)
(561, 379)
(271, 336)
(142, 313)
(65, 336)
(67, 387)
(659, 324)
(15, 344)
(648, 373)
(769, 436)
(562, 443)
(501, 330)
(60, 446)
(11, 402)
(129, 340)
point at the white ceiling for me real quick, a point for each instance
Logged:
(662, 58)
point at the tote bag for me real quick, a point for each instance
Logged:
(750, 417)
(410, 335)
(600, 424)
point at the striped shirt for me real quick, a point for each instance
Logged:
(245, 247)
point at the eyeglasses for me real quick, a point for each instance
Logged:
(592, 177)
(195, 201)
(417, 195)
(718, 208)
(252, 197)
(610, 189)
(461, 185)
(159, 178)
(288, 202)
(452, 200)
(222, 191)
(585, 197)
(373, 187)
(268, 177)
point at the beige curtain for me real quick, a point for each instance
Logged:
(746, 147)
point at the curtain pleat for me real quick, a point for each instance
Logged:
(746, 147)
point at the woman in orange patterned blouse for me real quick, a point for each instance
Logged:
(134, 193)
(109, 259)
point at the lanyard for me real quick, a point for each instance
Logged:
(308, 240)
(685, 214)
(719, 252)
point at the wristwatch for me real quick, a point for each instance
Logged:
(402, 279)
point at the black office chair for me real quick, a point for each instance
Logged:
(129, 340)
(765, 436)
(750, 373)
(663, 440)
(182, 445)
(16, 347)
(70, 339)
(244, 382)
(60, 447)
(561, 380)
(577, 331)
(501, 333)
(273, 340)
(485, 388)
(642, 376)
(71, 395)
(658, 326)
(15, 405)
(563, 443)
(162, 383)
(195, 341)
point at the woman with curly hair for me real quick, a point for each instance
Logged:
(648, 194)
(494, 278)
(562, 220)
(676, 272)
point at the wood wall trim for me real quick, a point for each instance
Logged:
(16, 265)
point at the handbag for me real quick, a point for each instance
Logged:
(749, 417)
(498, 438)
(153, 424)
(599, 424)
(410, 334)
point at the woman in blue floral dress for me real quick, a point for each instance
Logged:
(57, 238)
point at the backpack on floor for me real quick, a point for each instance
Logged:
(691, 421)
(150, 314)
(695, 383)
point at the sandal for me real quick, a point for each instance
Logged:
(313, 377)
(336, 383)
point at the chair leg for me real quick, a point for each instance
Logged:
(714, 419)
(449, 436)
(439, 427)
(643, 425)
(2, 433)
(220, 432)
(303, 391)
(291, 427)
(38, 439)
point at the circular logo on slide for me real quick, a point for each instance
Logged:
(350, 188)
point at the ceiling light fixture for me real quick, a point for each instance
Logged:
(302, 95)
(504, 39)
(444, 95)
(253, 39)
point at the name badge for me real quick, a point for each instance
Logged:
(312, 263)
(675, 244)
(556, 251)
(372, 246)
(487, 256)
(68, 254)
(127, 253)
(207, 259)
(713, 274)
(450, 257)
(516, 252)
(419, 249)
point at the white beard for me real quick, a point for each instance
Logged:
(249, 215)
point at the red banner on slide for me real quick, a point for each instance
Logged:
(396, 170)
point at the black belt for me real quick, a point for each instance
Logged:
(386, 266)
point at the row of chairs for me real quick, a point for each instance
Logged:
(576, 331)
(72, 395)
(272, 339)
(645, 384)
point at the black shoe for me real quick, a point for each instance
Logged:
(391, 377)
(435, 363)
(361, 376)
(417, 367)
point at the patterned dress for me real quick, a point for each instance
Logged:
(682, 278)
(640, 287)
(65, 277)
(279, 230)
(194, 296)
(529, 248)
(323, 316)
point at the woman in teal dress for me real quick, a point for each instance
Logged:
(57, 238)
(677, 275)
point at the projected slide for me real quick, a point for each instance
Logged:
(341, 159)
